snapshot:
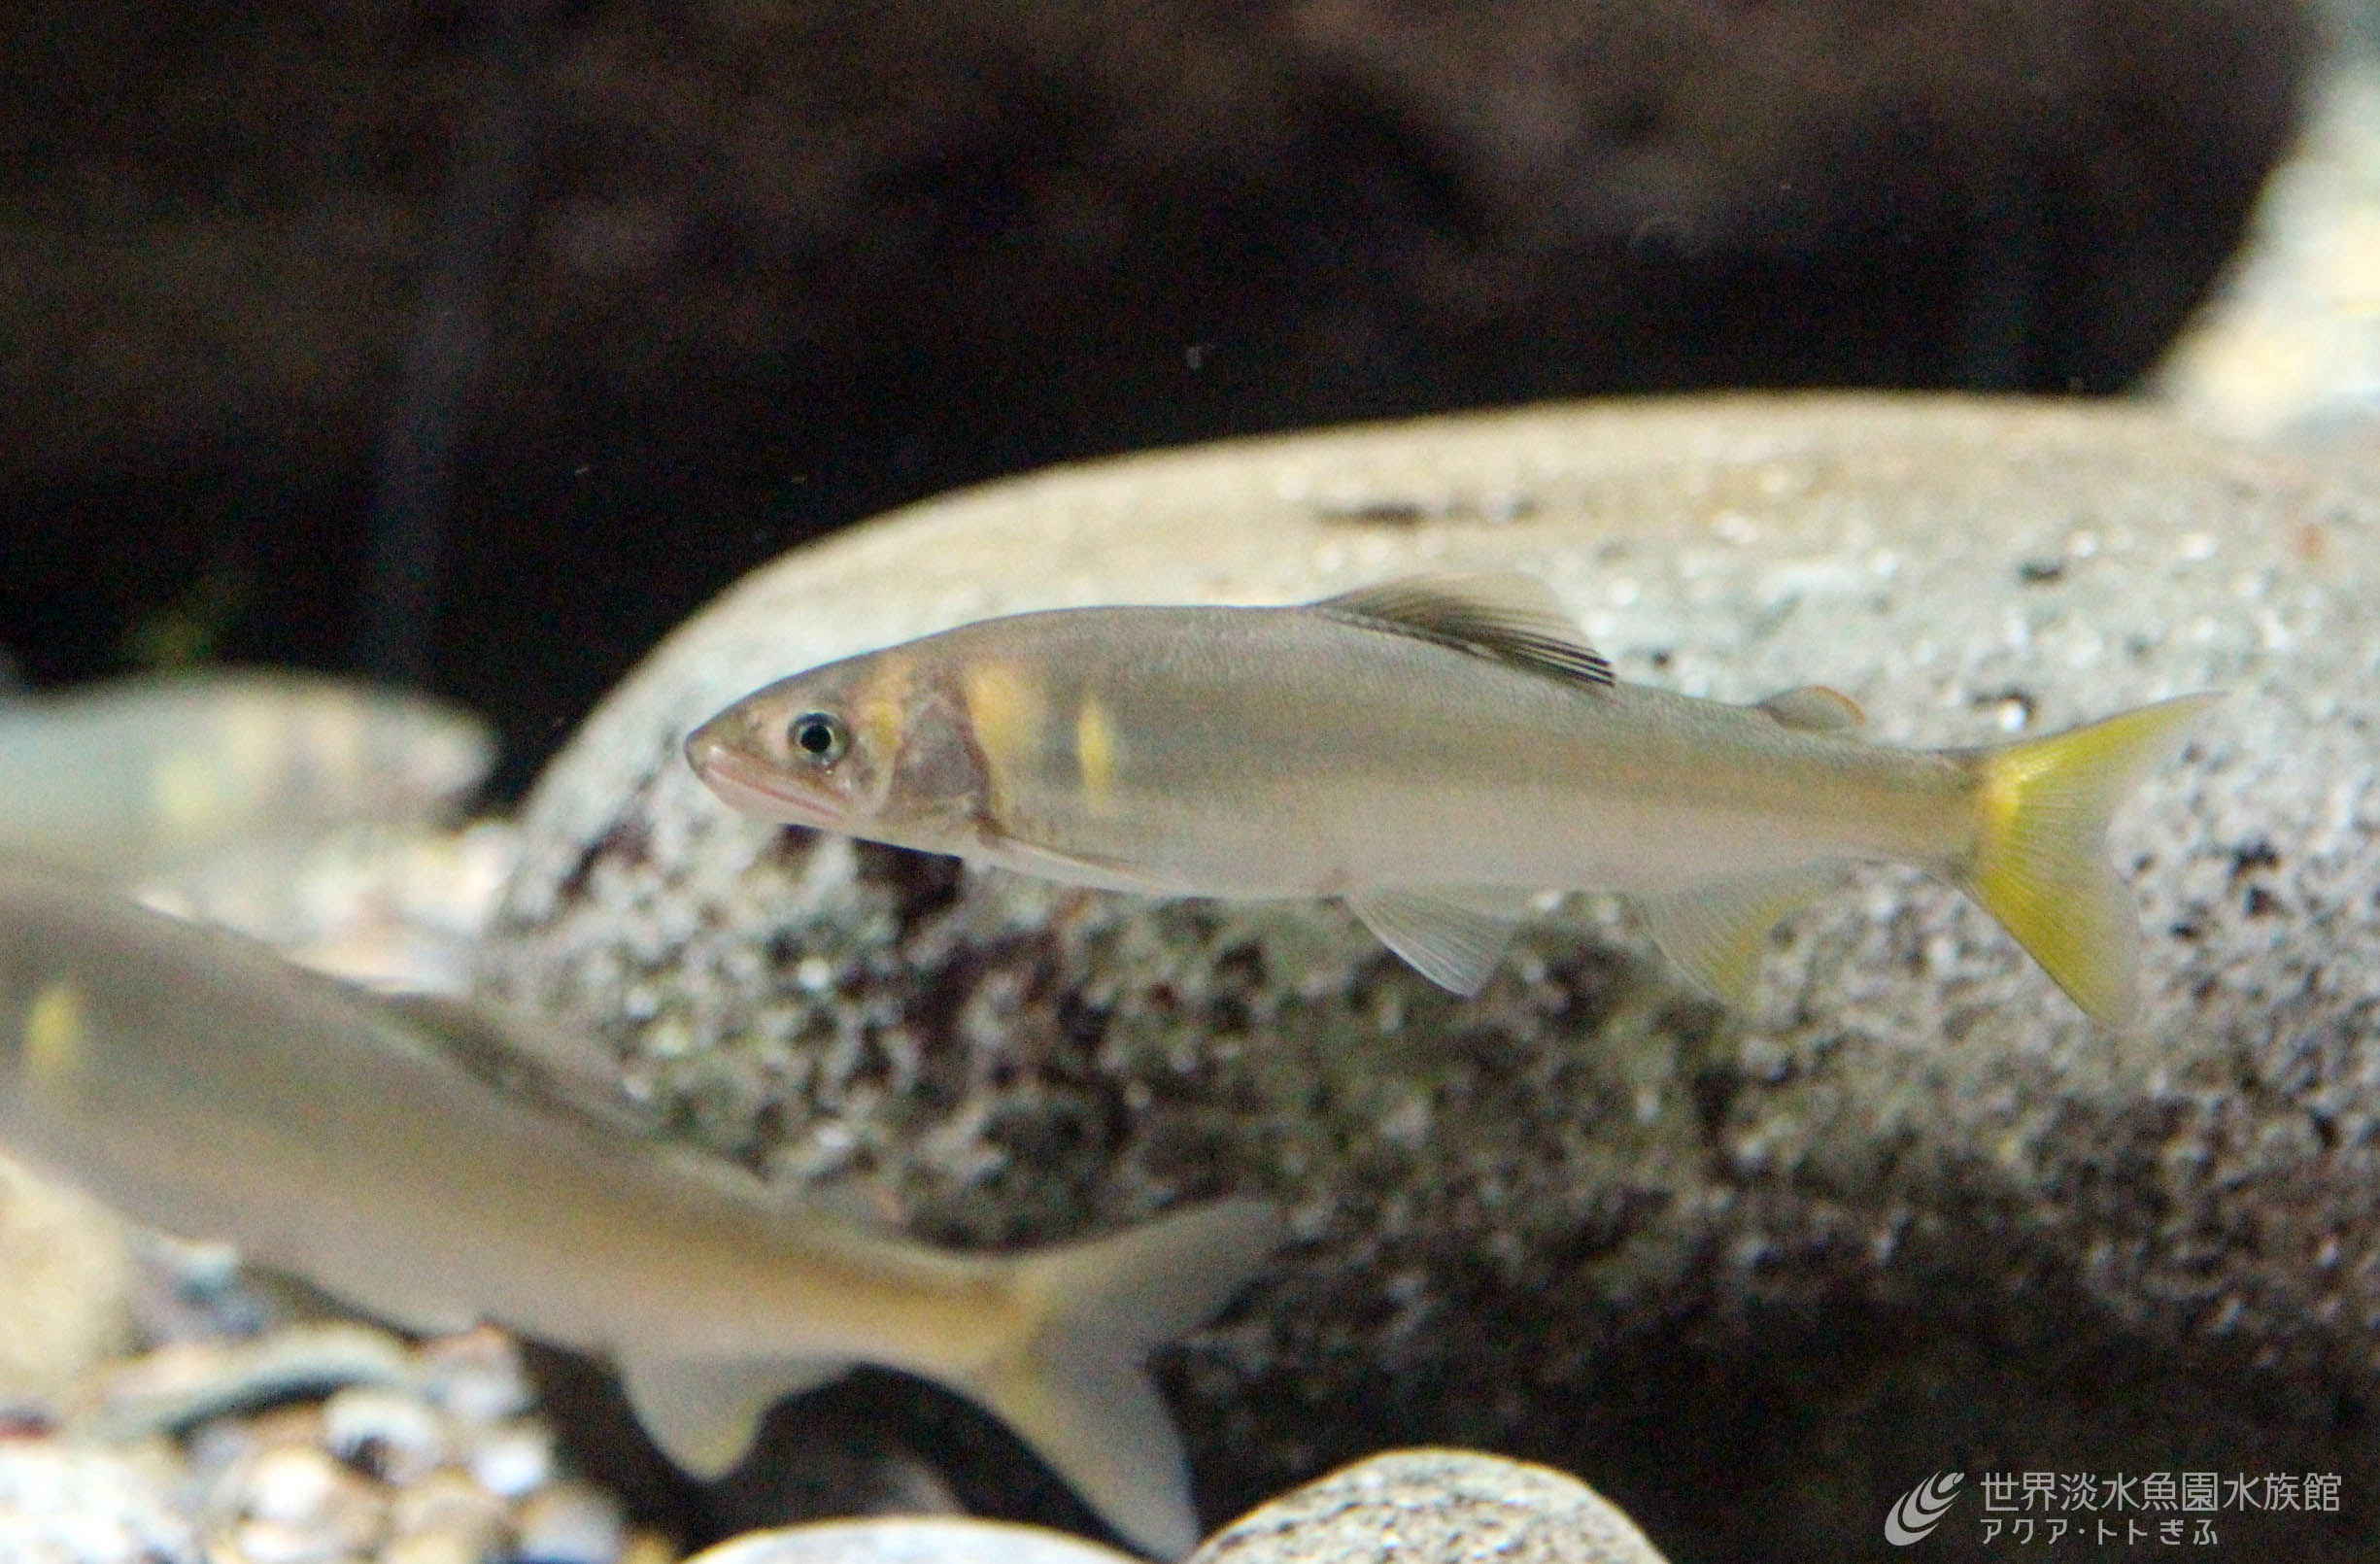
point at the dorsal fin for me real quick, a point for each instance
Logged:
(1508, 616)
(1815, 708)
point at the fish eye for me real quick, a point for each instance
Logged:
(818, 737)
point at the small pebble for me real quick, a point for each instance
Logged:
(568, 1522)
(392, 1434)
(295, 1504)
(456, 1514)
(909, 1539)
(649, 1548)
(273, 1541)
(511, 1458)
(191, 1381)
(80, 1504)
(476, 1376)
(438, 1548)
(214, 1448)
(291, 1483)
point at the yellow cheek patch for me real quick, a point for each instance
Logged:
(1095, 751)
(1008, 711)
(881, 714)
(56, 1039)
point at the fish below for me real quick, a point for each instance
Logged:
(1435, 752)
(197, 1082)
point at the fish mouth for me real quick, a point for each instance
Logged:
(752, 787)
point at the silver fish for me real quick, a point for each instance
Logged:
(150, 775)
(1435, 752)
(201, 1084)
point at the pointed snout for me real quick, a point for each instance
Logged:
(704, 746)
(748, 783)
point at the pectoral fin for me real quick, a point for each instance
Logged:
(1453, 938)
(1086, 869)
(704, 1412)
(1714, 931)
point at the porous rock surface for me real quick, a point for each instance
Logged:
(1433, 1507)
(1754, 1274)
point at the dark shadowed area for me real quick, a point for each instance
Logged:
(481, 342)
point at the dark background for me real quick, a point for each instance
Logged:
(478, 344)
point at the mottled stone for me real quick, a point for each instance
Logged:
(1434, 1507)
(1754, 1273)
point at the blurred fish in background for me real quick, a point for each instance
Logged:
(194, 1081)
(307, 810)
(146, 776)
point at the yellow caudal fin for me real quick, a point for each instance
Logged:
(2040, 864)
(1077, 1392)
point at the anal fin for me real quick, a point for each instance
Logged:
(704, 1412)
(1714, 930)
(1452, 936)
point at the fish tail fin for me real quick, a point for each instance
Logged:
(1076, 1391)
(2040, 861)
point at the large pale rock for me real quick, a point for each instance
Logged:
(1433, 1507)
(1754, 1273)
(909, 1539)
(66, 1278)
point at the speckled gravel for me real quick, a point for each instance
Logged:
(214, 1451)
